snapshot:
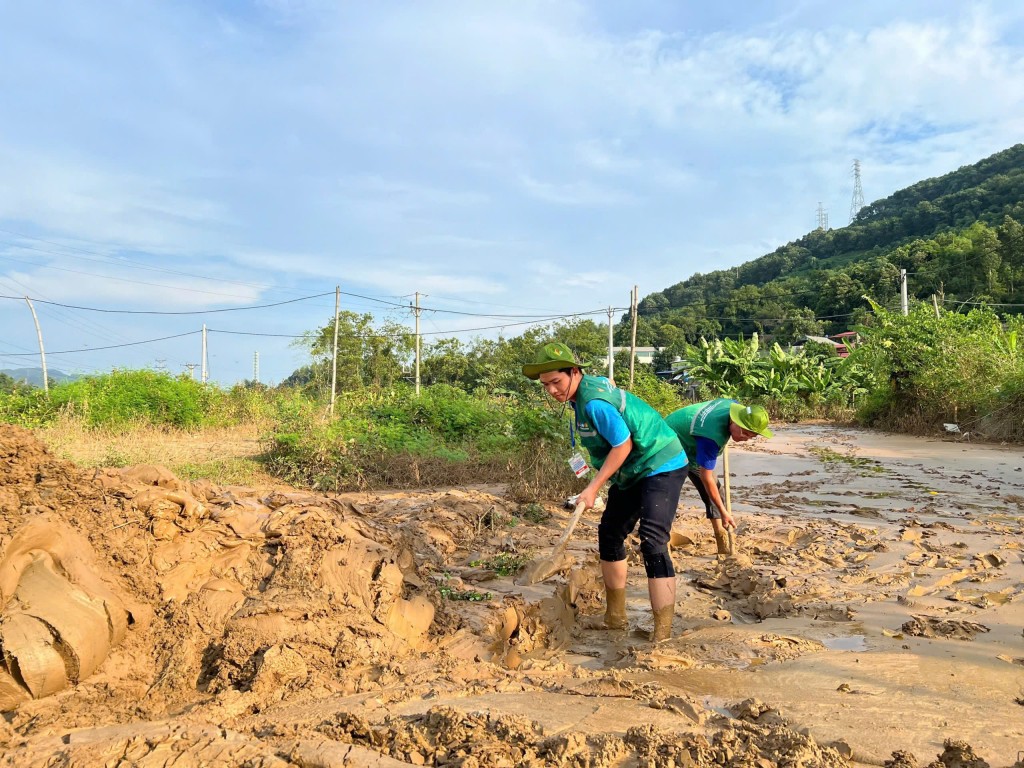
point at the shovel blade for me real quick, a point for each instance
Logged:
(544, 568)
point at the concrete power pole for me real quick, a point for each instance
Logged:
(334, 352)
(904, 304)
(857, 202)
(191, 370)
(206, 370)
(42, 352)
(417, 343)
(611, 348)
(256, 367)
(632, 344)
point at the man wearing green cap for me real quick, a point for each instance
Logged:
(631, 446)
(704, 429)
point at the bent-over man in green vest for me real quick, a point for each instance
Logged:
(704, 429)
(631, 447)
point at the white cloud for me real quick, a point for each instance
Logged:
(499, 149)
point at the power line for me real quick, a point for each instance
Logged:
(66, 319)
(113, 346)
(160, 312)
(981, 303)
(470, 314)
(429, 333)
(538, 318)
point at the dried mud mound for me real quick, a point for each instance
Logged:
(130, 595)
(448, 737)
(61, 611)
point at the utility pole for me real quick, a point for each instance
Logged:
(903, 292)
(334, 353)
(42, 352)
(611, 348)
(191, 370)
(206, 372)
(256, 367)
(417, 343)
(935, 303)
(632, 344)
(857, 202)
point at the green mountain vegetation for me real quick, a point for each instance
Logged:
(959, 236)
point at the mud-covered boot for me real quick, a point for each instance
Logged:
(614, 613)
(722, 540)
(663, 623)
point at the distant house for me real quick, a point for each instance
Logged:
(853, 337)
(839, 346)
(644, 355)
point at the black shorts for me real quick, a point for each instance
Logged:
(651, 501)
(710, 510)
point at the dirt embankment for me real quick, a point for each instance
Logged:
(149, 621)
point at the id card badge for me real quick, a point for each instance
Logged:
(578, 465)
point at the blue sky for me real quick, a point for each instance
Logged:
(516, 158)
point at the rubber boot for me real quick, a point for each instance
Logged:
(721, 538)
(663, 623)
(614, 612)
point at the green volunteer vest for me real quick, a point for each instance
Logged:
(710, 420)
(653, 442)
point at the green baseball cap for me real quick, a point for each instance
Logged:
(752, 418)
(552, 356)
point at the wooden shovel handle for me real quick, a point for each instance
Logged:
(730, 532)
(572, 525)
(725, 470)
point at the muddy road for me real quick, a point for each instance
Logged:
(874, 605)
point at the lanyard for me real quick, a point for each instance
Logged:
(572, 422)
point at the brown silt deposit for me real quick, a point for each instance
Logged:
(871, 618)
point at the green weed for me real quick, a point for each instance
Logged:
(469, 595)
(829, 456)
(534, 513)
(504, 563)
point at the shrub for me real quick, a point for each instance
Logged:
(444, 437)
(121, 398)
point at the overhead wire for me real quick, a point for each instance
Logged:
(65, 317)
(112, 346)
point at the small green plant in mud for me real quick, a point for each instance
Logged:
(534, 513)
(115, 457)
(469, 595)
(828, 456)
(503, 563)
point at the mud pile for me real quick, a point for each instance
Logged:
(225, 600)
(146, 620)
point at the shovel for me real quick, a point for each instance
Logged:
(728, 500)
(546, 567)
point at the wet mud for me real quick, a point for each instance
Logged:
(871, 614)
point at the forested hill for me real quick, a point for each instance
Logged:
(959, 236)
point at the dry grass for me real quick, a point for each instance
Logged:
(225, 455)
